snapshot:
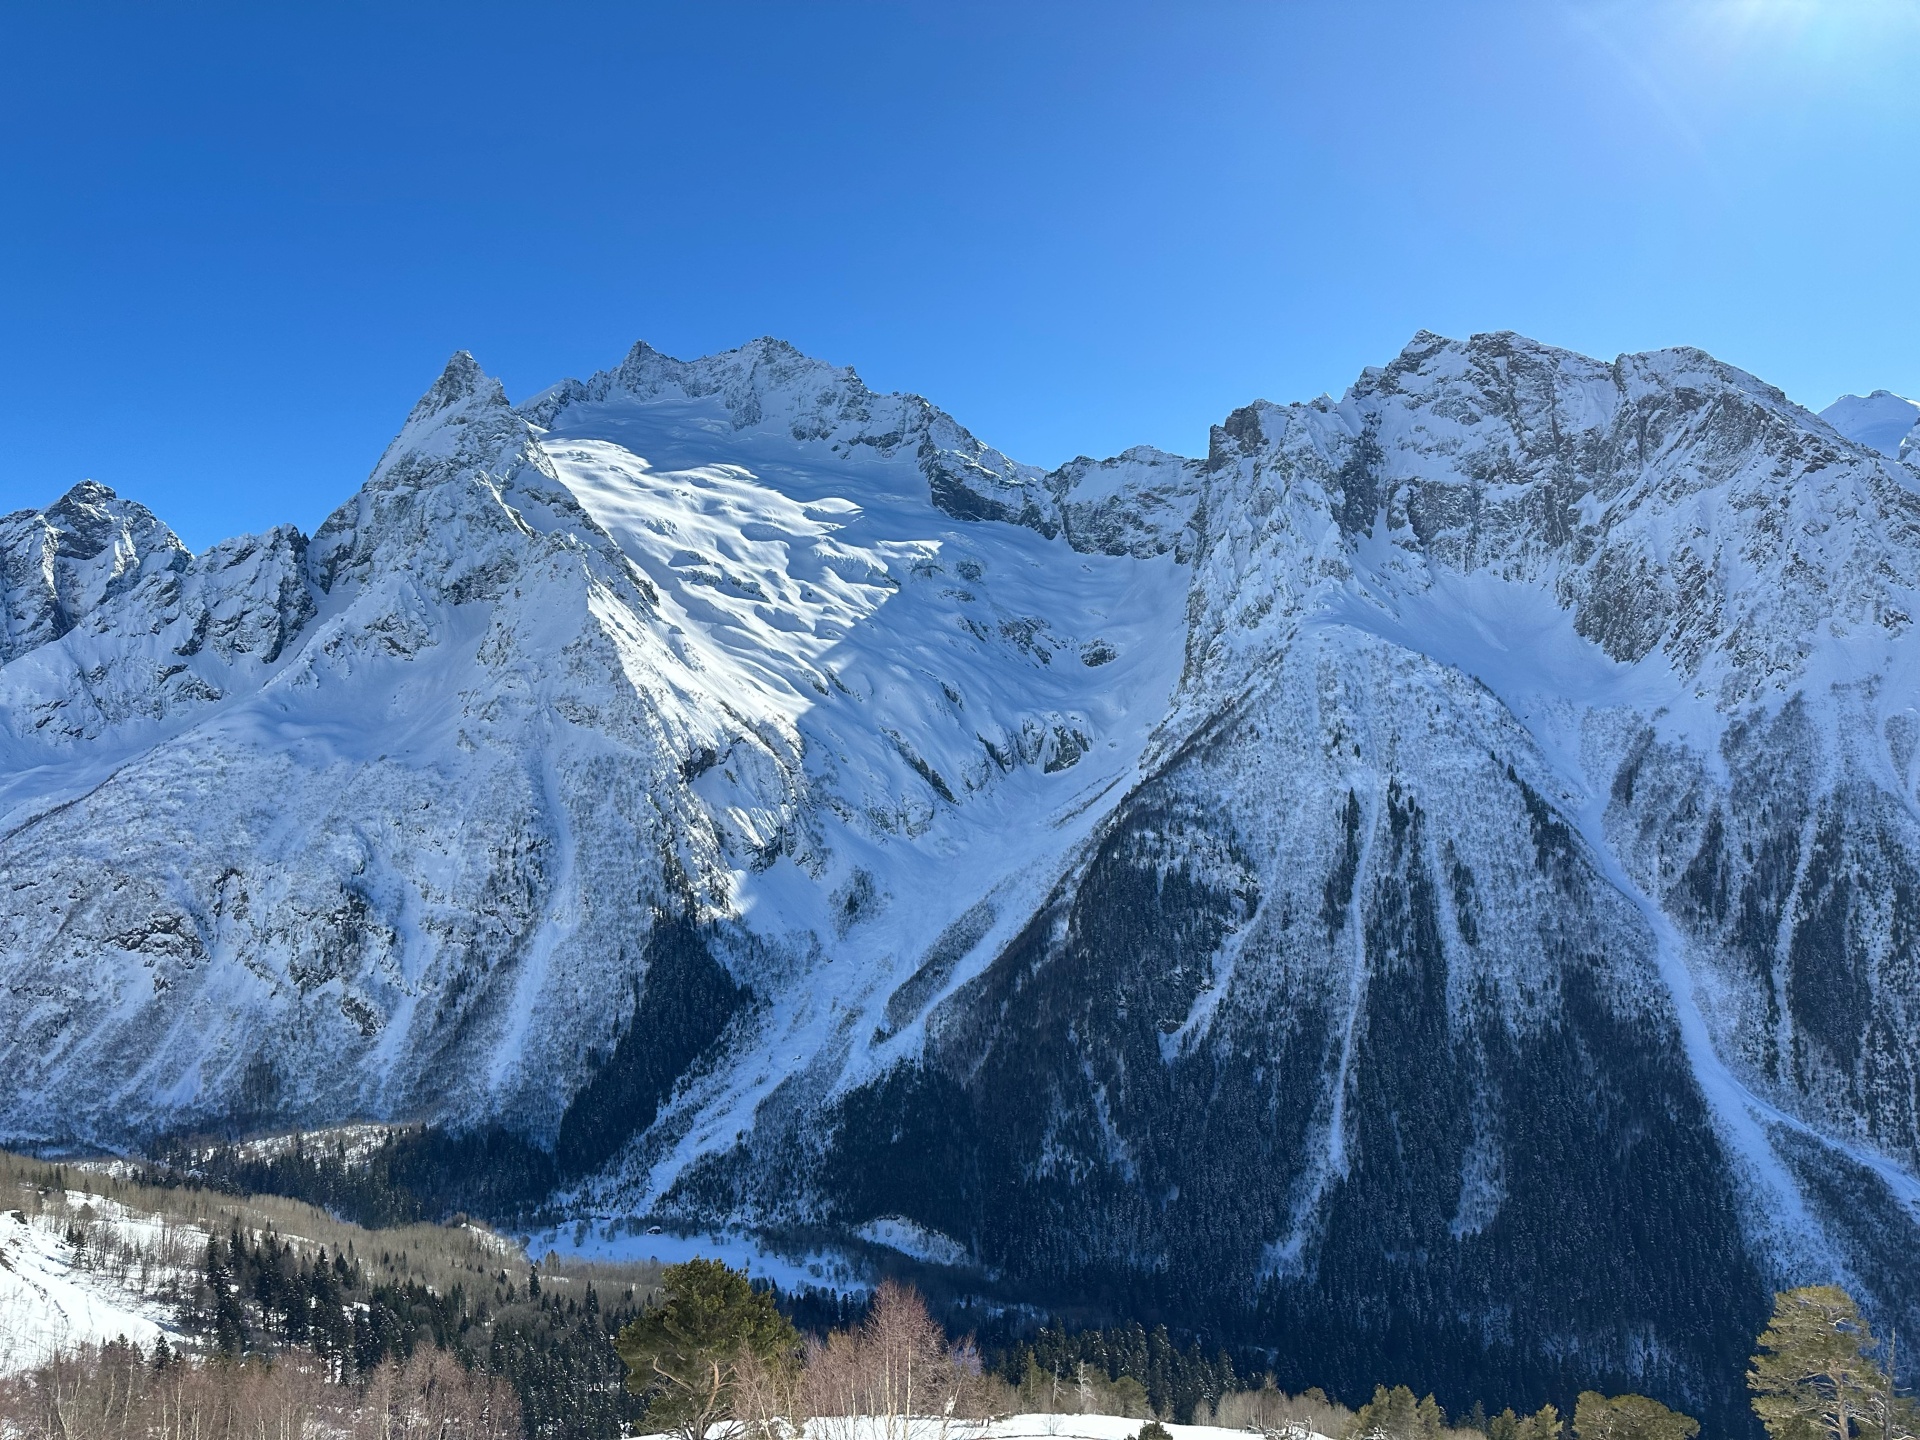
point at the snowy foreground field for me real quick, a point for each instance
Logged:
(1011, 1427)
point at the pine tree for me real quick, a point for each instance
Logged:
(1629, 1417)
(1395, 1415)
(1543, 1424)
(230, 1335)
(685, 1350)
(1812, 1377)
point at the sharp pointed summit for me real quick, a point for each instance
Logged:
(461, 380)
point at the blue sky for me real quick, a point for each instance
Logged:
(239, 241)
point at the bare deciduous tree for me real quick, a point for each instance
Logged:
(113, 1392)
(894, 1377)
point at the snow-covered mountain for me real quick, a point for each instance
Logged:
(1881, 421)
(1432, 886)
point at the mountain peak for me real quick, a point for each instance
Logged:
(1880, 421)
(60, 564)
(766, 381)
(86, 492)
(752, 371)
(89, 517)
(460, 381)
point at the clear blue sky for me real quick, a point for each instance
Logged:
(238, 242)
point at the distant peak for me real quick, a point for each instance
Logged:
(1881, 421)
(765, 377)
(90, 515)
(91, 505)
(87, 492)
(460, 381)
(761, 350)
(1879, 399)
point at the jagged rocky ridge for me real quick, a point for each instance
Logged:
(1430, 887)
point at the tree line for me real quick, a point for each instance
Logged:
(716, 1360)
(346, 1302)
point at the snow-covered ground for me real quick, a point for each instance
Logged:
(51, 1300)
(353, 1143)
(1090, 1427)
(1011, 1427)
(617, 1243)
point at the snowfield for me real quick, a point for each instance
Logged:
(52, 1301)
(1013, 1427)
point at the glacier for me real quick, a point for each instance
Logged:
(1430, 886)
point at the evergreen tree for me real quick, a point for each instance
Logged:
(1543, 1424)
(1812, 1377)
(685, 1351)
(229, 1318)
(1629, 1417)
(1395, 1415)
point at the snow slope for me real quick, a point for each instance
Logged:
(52, 1303)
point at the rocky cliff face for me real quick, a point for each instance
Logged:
(1430, 886)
